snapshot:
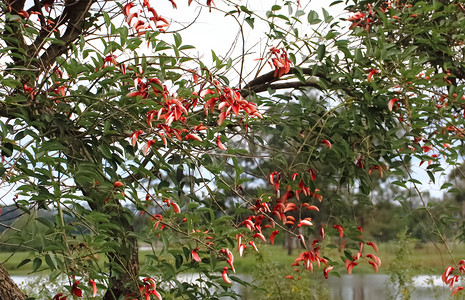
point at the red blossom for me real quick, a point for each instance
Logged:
(371, 72)
(176, 208)
(456, 290)
(59, 296)
(273, 235)
(373, 245)
(326, 271)
(118, 184)
(220, 144)
(251, 243)
(242, 248)
(260, 236)
(94, 287)
(327, 143)
(391, 103)
(134, 136)
(225, 275)
(305, 222)
(339, 229)
(75, 290)
(280, 62)
(195, 255)
(349, 264)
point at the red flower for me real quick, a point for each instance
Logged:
(340, 229)
(305, 222)
(371, 72)
(302, 240)
(94, 287)
(220, 144)
(260, 236)
(242, 248)
(195, 256)
(376, 263)
(59, 297)
(281, 62)
(75, 290)
(134, 136)
(251, 243)
(117, 184)
(273, 235)
(322, 232)
(176, 208)
(459, 288)
(327, 143)
(310, 207)
(391, 103)
(225, 275)
(373, 245)
(349, 264)
(326, 271)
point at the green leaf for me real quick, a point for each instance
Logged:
(177, 39)
(328, 18)
(50, 262)
(431, 176)
(321, 52)
(107, 19)
(446, 185)
(36, 264)
(313, 18)
(23, 262)
(250, 21)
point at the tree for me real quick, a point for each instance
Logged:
(104, 109)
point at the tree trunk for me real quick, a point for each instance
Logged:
(463, 209)
(126, 283)
(8, 288)
(123, 261)
(289, 244)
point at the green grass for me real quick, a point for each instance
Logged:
(423, 258)
(10, 262)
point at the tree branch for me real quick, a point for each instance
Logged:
(263, 82)
(74, 13)
(279, 86)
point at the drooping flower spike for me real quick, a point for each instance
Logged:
(225, 275)
(339, 229)
(94, 287)
(195, 255)
(273, 235)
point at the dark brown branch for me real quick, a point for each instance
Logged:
(15, 5)
(280, 86)
(265, 81)
(74, 13)
(269, 77)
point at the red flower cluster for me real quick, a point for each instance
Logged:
(374, 261)
(149, 288)
(280, 62)
(362, 20)
(450, 281)
(139, 25)
(309, 257)
(229, 100)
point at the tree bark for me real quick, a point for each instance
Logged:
(8, 288)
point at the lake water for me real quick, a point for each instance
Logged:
(378, 286)
(357, 287)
